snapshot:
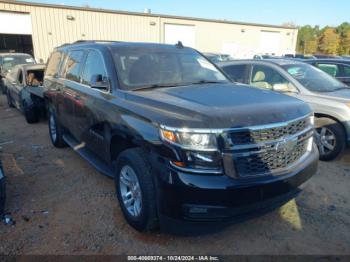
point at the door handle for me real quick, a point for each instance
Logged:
(14, 83)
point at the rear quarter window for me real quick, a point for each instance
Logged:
(72, 65)
(53, 64)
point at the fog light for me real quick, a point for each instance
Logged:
(310, 143)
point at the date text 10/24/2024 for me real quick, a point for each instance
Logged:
(173, 258)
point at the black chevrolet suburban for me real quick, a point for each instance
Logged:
(181, 142)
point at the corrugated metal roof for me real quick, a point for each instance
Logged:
(141, 14)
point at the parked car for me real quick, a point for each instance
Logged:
(2, 190)
(214, 57)
(266, 56)
(8, 61)
(299, 56)
(25, 90)
(182, 142)
(328, 97)
(338, 68)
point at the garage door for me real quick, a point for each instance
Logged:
(184, 33)
(15, 23)
(270, 42)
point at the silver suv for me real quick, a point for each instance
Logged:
(328, 97)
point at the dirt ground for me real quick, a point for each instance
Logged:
(61, 205)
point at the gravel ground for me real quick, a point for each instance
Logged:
(61, 205)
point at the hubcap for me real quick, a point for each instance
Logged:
(326, 140)
(53, 130)
(130, 191)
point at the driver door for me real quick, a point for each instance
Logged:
(266, 77)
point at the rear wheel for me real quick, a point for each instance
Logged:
(330, 138)
(136, 190)
(9, 99)
(30, 113)
(55, 130)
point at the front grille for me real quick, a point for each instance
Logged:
(263, 135)
(267, 151)
(270, 160)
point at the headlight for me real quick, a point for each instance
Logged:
(312, 120)
(190, 140)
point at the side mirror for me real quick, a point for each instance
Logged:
(99, 82)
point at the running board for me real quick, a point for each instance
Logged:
(85, 153)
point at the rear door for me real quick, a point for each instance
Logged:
(91, 104)
(17, 87)
(71, 83)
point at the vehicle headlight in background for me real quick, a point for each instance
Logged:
(190, 140)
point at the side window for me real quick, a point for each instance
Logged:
(238, 73)
(20, 77)
(331, 69)
(53, 65)
(268, 78)
(93, 66)
(346, 70)
(73, 65)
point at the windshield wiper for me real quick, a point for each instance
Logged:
(154, 86)
(207, 82)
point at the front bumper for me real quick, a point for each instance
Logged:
(207, 197)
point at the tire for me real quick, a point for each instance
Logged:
(146, 219)
(9, 100)
(30, 113)
(55, 130)
(330, 138)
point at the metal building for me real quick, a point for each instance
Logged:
(38, 28)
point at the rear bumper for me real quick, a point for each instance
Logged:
(209, 198)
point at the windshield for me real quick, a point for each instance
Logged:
(313, 78)
(10, 61)
(142, 67)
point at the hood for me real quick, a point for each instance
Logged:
(342, 95)
(216, 106)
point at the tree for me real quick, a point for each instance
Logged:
(329, 41)
(307, 39)
(344, 32)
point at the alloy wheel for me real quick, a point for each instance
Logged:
(53, 129)
(326, 140)
(130, 191)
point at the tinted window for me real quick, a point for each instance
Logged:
(73, 65)
(12, 60)
(269, 78)
(346, 70)
(20, 77)
(238, 73)
(93, 66)
(331, 69)
(54, 62)
(142, 67)
(313, 78)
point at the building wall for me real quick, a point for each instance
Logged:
(50, 28)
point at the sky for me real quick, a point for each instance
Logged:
(276, 12)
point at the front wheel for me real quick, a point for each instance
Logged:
(55, 130)
(330, 138)
(136, 190)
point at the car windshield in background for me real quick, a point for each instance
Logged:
(140, 68)
(313, 78)
(11, 61)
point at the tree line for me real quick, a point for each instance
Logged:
(328, 40)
